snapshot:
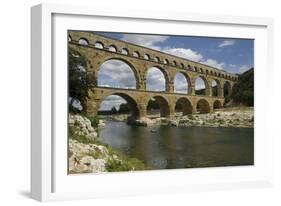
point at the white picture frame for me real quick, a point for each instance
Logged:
(49, 179)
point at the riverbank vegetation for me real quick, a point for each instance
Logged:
(88, 155)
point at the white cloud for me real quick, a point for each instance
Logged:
(244, 68)
(76, 103)
(150, 41)
(226, 43)
(199, 84)
(232, 65)
(184, 53)
(187, 53)
(214, 63)
(180, 84)
(115, 73)
(111, 101)
(155, 80)
(194, 56)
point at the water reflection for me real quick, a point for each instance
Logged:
(173, 147)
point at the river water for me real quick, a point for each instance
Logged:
(182, 147)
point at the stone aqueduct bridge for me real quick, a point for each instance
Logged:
(98, 49)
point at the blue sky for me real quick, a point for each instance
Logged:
(232, 55)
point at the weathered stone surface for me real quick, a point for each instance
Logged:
(82, 126)
(220, 118)
(170, 65)
(87, 157)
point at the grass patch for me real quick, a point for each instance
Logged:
(122, 162)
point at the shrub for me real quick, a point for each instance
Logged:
(123, 162)
(94, 120)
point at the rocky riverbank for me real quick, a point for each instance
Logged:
(227, 117)
(87, 155)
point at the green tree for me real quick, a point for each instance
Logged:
(124, 108)
(243, 90)
(153, 104)
(80, 81)
(114, 110)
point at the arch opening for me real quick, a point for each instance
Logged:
(216, 88)
(83, 41)
(125, 51)
(158, 106)
(227, 91)
(157, 59)
(217, 104)
(99, 45)
(112, 48)
(156, 79)
(183, 106)
(203, 106)
(117, 73)
(119, 103)
(181, 83)
(136, 54)
(181, 65)
(146, 57)
(201, 86)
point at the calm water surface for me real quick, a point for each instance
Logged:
(182, 147)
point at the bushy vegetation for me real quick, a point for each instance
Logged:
(122, 162)
(94, 120)
(243, 90)
(80, 82)
(74, 134)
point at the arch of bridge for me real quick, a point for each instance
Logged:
(97, 56)
(140, 68)
(139, 101)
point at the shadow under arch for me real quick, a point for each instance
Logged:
(203, 106)
(226, 89)
(216, 90)
(185, 106)
(163, 105)
(132, 103)
(123, 60)
(217, 104)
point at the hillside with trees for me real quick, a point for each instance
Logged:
(243, 90)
